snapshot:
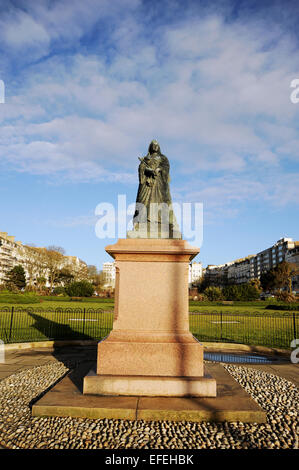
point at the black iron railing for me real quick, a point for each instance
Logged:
(28, 324)
(252, 328)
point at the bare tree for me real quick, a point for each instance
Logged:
(58, 249)
(54, 262)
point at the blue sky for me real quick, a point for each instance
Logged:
(89, 84)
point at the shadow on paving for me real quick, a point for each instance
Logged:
(79, 359)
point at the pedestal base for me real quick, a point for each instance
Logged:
(150, 351)
(150, 354)
(149, 386)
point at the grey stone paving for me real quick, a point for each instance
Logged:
(17, 360)
(264, 385)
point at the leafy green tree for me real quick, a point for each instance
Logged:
(283, 273)
(41, 282)
(279, 277)
(213, 293)
(256, 283)
(59, 290)
(241, 292)
(17, 277)
(231, 292)
(203, 283)
(249, 292)
(267, 280)
(64, 277)
(80, 289)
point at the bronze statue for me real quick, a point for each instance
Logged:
(153, 203)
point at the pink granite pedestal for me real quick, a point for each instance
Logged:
(150, 351)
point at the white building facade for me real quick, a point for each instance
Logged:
(195, 273)
(241, 271)
(13, 253)
(9, 254)
(109, 274)
(271, 257)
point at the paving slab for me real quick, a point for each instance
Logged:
(231, 404)
(66, 399)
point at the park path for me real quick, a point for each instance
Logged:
(20, 359)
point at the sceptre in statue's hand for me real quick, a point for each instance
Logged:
(154, 190)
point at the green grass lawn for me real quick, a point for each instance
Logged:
(92, 302)
(58, 322)
(245, 328)
(237, 307)
(106, 304)
(247, 323)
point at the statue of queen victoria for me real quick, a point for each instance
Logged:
(154, 216)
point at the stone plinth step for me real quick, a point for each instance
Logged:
(232, 403)
(149, 385)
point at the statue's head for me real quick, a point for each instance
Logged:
(154, 147)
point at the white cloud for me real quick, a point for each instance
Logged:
(37, 24)
(215, 93)
(21, 31)
(267, 157)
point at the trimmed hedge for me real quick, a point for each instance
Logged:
(289, 307)
(55, 298)
(19, 299)
(80, 289)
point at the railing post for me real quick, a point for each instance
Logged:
(84, 311)
(11, 322)
(221, 325)
(294, 324)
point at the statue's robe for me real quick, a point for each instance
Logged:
(153, 188)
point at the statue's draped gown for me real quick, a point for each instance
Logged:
(153, 188)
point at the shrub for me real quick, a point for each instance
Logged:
(288, 307)
(200, 298)
(232, 292)
(59, 290)
(243, 292)
(17, 277)
(80, 289)
(50, 298)
(213, 293)
(11, 288)
(286, 296)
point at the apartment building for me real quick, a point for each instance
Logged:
(243, 270)
(13, 253)
(195, 272)
(292, 256)
(271, 257)
(109, 274)
(108, 270)
(239, 272)
(9, 254)
(217, 275)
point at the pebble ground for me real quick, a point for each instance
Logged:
(18, 429)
